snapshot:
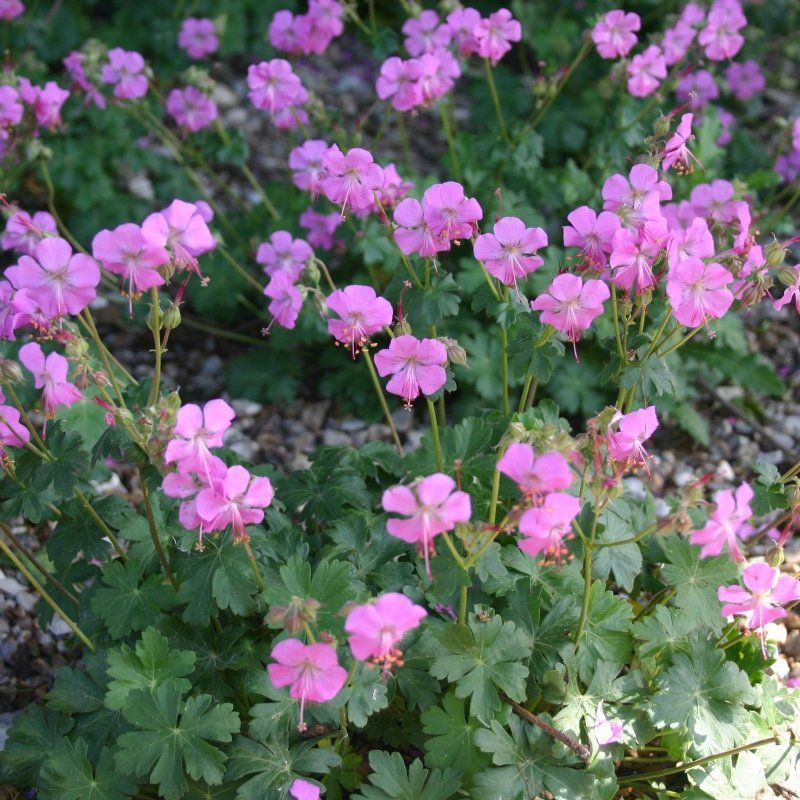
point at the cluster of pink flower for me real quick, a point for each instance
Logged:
(214, 497)
(307, 33)
(312, 671)
(275, 88)
(284, 258)
(44, 102)
(191, 108)
(433, 69)
(11, 9)
(126, 71)
(198, 37)
(77, 63)
(12, 432)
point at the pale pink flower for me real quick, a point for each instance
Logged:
(545, 527)
(399, 80)
(636, 198)
(430, 506)
(435, 75)
(50, 375)
(791, 293)
(714, 200)
(449, 213)
(676, 150)
(462, 23)
(731, 512)
(125, 70)
(698, 291)
(535, 475)
(196, 431)
(412, 233)
(191, 108)
(306, 165)
(126, 252)
(495, 33)
(745, 80)
(361, 314)
(694, 242)
(9, 314)
(186, 486)
(743, 240)
(23, 231)
(304, 790)
(311, 671)
(416, 366)
(627, 434)
(286, 299)
(592, 233)
(721, 38)
(181, 229)
(12, 432)
(425, 34)
(614, 34)
(570, 305)
(198, 37)
(274, 86)
(679, 216)
(676, 41)
(61, 282)
(509, 252)
(11, 9)
(646, 71)
(605, 731)
(320, 227)
(376, 628)
(350, 179)
(284, 253)
(634, 254)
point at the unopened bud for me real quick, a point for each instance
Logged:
(402, 328)
(294, 616)
(76, 347)
(312, 271)
(456, 354)
(10, 371)
(775, 555)
(154, 318)
(173, 401)
(172, 317)
(661, 127)
(788, 275)
(775, 253)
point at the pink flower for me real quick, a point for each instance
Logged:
(306, 165)
(181, 229)
(274, 86)
(634, 254)
(11, 109)
(614, 34)
(449, 213)
(351, 179)
(796, 134)
(11, 9)
(191, 108)
(126, 252)
(570, 305)
(698, 89)
(196, 431)
(12, 432)
(760, 603)
(462, 23)
(412, 233)
(187, 486)
(435, 75)
(46, 101)
(791, 293)
(646, 71)
(286, 299)
(745, 80)
(376, 628)
(424, 34)
(62, 282)
(720, 37)
(509, 252)
(545, 527)
(283, 253)
(494, 35)
(320, 227)
(677, 41)
(197, 37)
(320, 25)
(361, 314)
(125, 70)
(698, 291)
(234, 501)
(535, 475)
(605, 731)
(714, 200)
(693, 14)
(676, 150)
(311, 671)
(74, 64)
(23, 231)
(417, 365)
(50, 375)
(394, 188)
(725, 523)
(283, 32)
(625, 444)
(636, 198)
(593, 234)
(743, 241)
(399, 80)
(304, 790)
(431, 506)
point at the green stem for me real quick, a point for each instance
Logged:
(254, 566)
(452, 548)
(615, 311)
(462, 605)
(496, 100)
(632, 540)
(504, 369)
(107, 532)
(155, 327)
(495, 492)
(225, 253)
(682, 342)
(151, 524)
(44, 594)
(437, 445)
(588, 550)
(251, 179)
(309, 632)
(657, 338)
(382, 399)
(523, 399)
(88, 320)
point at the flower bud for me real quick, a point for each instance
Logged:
(294, 616)
(172, 317)
(787, 276)
(775, 555)
(77, 347)
(775, 253)
(312, 271)
(154, 316)
(10, 371)
(402, 328)
(456, 354)
(661, 126)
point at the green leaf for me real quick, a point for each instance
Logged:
(68, 775)
(367, 696)
(426, 307)
(481, 661)
(325, 490)
(696, 580)
(770, 491)
(722, 780)
(389, 780)
(23, 497)
(525, 766)
(452, 732)
(620, 521)
(651, 375)
(663, 632)
(74, 692)
(150, 665)
(702, 696)
(173, 738)
(127, 603)
(69, 464)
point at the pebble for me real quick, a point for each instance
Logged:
(791, 424)
(792, 645)
(246, 408)
(683, 477)
(335, 439)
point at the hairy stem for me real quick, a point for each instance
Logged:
(382, 399)
(155, 327)
(437, 445)
(498, 109)
(107, 532)
(151, 524)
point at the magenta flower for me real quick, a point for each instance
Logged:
(320, 25)
(61, 282)
(181, 229)
(198, 37)
(676, 150)
(676, 41)
(304, 790)
(234, 501)
(12, 432)
(592, 233)
(375, 629)
(351, 179)
(791, 293)
(11, 9)
(412, 233)
(11, 110)
(714, 200)
(693, 14)
(721, 38)
(545, 527)
(191, 108)
(74, 64)
(570, 305)
(186, 487)
(49, 375)
(725, 524)
(274, 86)
(727, 122)
(46, 101)
(435, 75)
(425, 34)
(320, 227)
(361, 314)
(494, 35)
(637, 198)
(745, 79)
(535, 475)
(125, 70)
(23, 231)
(605, 732)
(286, 299)
(399, 80)
(698, 89)
(394, 188)
(311, 671)
(284, 253)
(284, 33)
(614, 34)
(625, 443)
(634, 254)
(462, 23)
(698, 291)
(306, 165)
(126, 252)
(509, 252)
(449, 213)
(417, 365)
(430, 506)
(196, 431)
(760, 603)
(646, 71)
